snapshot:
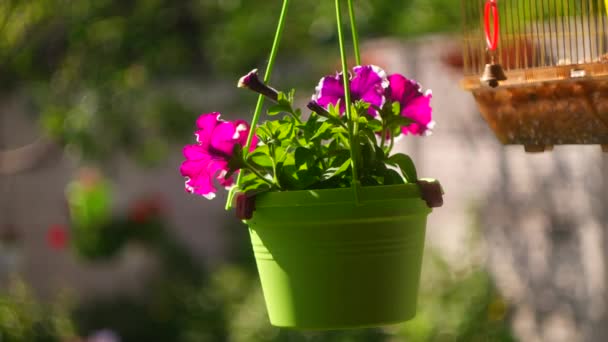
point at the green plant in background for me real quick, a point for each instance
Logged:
(458, 306)
(93, 232)
(24, 318)
(228, 306)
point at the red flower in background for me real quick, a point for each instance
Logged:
(57, 237)
(147, 208)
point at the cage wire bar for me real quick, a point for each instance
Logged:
(554, 54)
(537, 33)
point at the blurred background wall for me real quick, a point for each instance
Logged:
(516, 253)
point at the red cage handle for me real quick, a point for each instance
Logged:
(491, 35)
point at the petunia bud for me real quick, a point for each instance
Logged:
(317, 108)
(252, 82)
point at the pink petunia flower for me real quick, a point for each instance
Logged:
(210, 157)
(415, 104)
(368, 84)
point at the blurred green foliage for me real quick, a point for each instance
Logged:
(184, 301)
(188, 303)
(228, 305)
(24, 318)
(102, 75)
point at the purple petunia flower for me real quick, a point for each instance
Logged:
(209, 158)
(415, 104)
(104, 336)
(368, 84)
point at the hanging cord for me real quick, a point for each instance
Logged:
(258, 108)
(353, 28)
(352, 117)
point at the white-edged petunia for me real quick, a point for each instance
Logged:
(415, 104)
(208, 159)
(368, 83)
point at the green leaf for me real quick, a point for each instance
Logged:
(304, 156)
(370, 181)
(281, 154)
(264, 134)
(392, 177)
(321, 130)
(338, 130)
(368, 135)
(252, 183)
(335, 171)
(374, 125)
(282, 97)
(367, 153)
(310, 126)
(400, 121)
(285, 131)
(396, 108)
(298, 114)
(305, 178)
(286, 99)
(261, 159)
(334, 110)
(279, 108)
(361, 106)
(406, 165)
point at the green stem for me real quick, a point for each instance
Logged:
(295, 116)
(323, 163)
(258, 107)
(274, 167)
(383, 136)
(353, 28)
(257, 173)
(347, 99)
(391, 145)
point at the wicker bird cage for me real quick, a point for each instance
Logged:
(538, 70)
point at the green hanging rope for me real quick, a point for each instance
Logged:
(352, 117)
(353, 28)
(258, 108)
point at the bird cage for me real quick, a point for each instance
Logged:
(538, 70)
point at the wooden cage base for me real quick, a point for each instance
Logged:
(549, 148)
(540, 108)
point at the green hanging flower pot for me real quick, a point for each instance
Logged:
(337, 219)
(326, 262)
